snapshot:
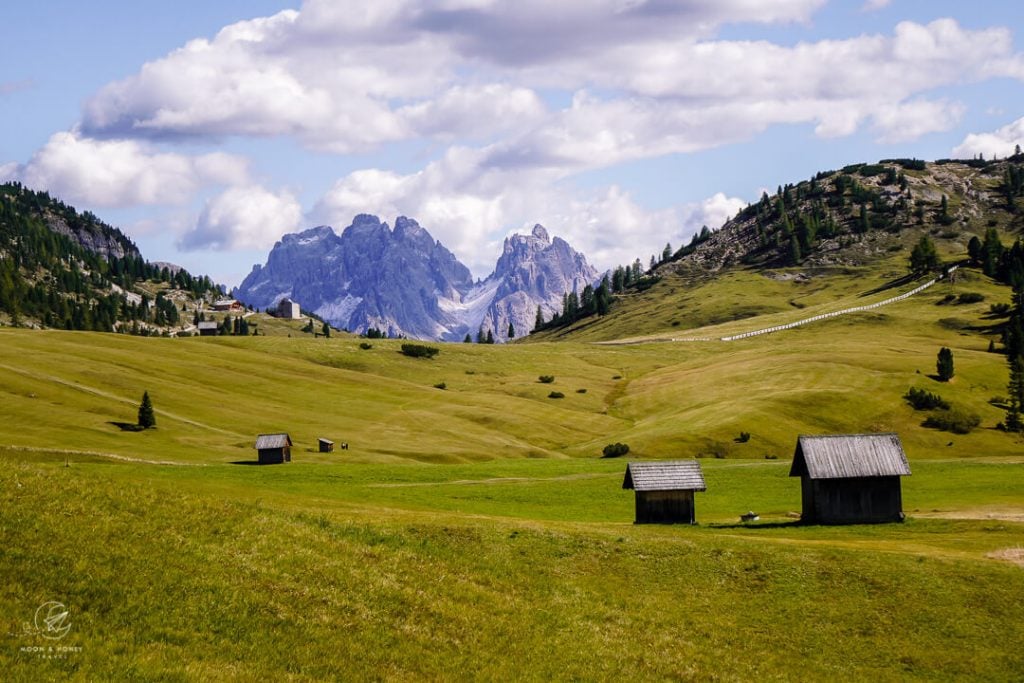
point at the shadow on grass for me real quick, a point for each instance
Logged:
(127, 426)
(898, 282)
(765, 525)
(247, 462)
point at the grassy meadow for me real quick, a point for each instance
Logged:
(473, 531)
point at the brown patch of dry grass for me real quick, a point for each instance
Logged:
(1014, 555)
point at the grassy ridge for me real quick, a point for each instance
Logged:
(315, 571)
(65, 390)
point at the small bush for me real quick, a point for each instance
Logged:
(365, 346)
(953, 420)
(922, 399)
(546, 379)
(440, 385)
(999, 310)
(971, 298)
(616, 376)
(420, 350)
(770, 456)
(556, 394)
(581, 391)
(615, 450)
(948, 299)
(743, 437)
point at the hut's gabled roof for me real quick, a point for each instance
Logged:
(273, 441)
(840, 456)
(667, 475)
(323, 440)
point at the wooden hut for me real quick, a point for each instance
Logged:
(208, 328)
(326, 445)
(274, 448)
(850, 478)
(664, 490)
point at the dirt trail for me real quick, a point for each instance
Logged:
(99, 454)
(113, 397)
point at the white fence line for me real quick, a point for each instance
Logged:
(824, 316)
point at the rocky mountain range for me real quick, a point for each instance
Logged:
(404, 282)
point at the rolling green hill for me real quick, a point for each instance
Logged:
(473, 531)
(853, 231)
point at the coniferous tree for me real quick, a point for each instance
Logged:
(326, 330)
(794, 250)
(923, 256)
(538, 322)
(992, 251)
(511, 330)
(974, 250)
(1014, 423)
(468, 339)
(147, 418)
(944, 365)
(490, 337)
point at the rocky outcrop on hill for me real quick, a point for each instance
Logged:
(90, 234)
(856, 215)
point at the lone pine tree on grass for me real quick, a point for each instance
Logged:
(944, 365)
(147, 418)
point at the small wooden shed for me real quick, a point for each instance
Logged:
(326, 445)
(850, 478)
(274, 448)
(208, 328)
(664, 490)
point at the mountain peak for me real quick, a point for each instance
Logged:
(407, 227)
(404, 282)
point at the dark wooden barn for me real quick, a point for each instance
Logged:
(274, 448)
(850, 478)
(208, 328)
(326, 445)
(664, 490)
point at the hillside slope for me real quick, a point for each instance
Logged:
(69, 390)
(839, 235)
(63, 269)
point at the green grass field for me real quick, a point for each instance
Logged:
(473, 532)
(496, 570)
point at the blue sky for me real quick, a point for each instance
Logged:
(206, 130)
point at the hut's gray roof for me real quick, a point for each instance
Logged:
(323, 440)
(273, 441)
(840, 456)
(667, 475)
(208, 325)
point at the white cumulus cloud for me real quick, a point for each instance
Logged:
(1002, 142)
(244, 217)
(470, 207)
(112, 173)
